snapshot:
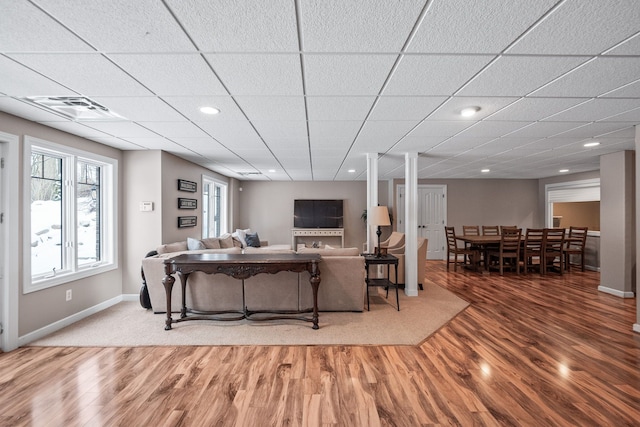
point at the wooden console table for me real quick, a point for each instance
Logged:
(316, 232)
(240, 266)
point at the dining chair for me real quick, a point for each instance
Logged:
(470, 230)
(509, 249)
(532, 249)
(502, 227)
(552, 249)
(490, 230)
(455, 251)
(575, 245)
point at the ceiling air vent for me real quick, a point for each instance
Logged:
(77, 108)
(249, 173)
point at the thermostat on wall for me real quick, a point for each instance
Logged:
(146, 206)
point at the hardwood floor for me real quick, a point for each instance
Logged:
(529, 351)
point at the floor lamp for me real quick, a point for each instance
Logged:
(379, 216)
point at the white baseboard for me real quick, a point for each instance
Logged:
(616, 292)
(636, 327)
(130, 297)
(42, 332)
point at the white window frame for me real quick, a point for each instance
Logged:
(224, 203)
(587, 190)
(108, 219)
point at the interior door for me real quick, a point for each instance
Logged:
(432, 214)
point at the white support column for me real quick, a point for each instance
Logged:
(411, 225)
(372, 195)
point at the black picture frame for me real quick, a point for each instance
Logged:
(184, 203)
(190, 186)
(187, 221)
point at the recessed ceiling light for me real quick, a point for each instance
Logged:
(563, 170)
(272, 171)
(469, 111)
(209, 110)
(485, 170)
(351, 171)
(592, 144)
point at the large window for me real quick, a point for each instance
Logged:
(575, 203)
(214, 207)
(72, 201)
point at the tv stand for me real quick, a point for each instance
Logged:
(316, 232)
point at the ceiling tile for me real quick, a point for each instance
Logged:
(148, 27)
(336, 75)
(25, 28)
(118, 143)
(595, 109)
(357, 25)
(578, 24)
(491, 129)
(141, 108)
(534, 109)
(272, 107)
(478, 27)
(590, 81)
(177, 74)
(189, 106)
(125, 130)
(519, 75)
(630, 46)
(320, 131)
(28, 111)
(339, 107)
(88, 74)
(296, 130)
(451, 109)
(405, 107)
(258, 74)
(232, 134)
(17, 80)
(431, 128)
(175, 129)
(239, 26)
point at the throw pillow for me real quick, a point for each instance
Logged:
(172, 247)
(253, 240)
(195, 244)
(211, 243)
(226, 241)
(241, 235)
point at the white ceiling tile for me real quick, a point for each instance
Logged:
(88, 74)
(492, 129)
(631, 90)
(544, 129)
(431, 128)
(405, 107)
(231, 133)
(272, 107)
(595, 109)
(175, 74)
(125, 130)
(281, 129)
(155, 143)
(339, 107)
(519, 75)
(17, 80)
(28, 111)
(357, 25)
(575, 27)
(534, 109)
(258, 74)
(383, 133)
(25, 28)
(337, 75)
(632, 116)
(593, 130)
(189, 106)
(430, 75)
(417, 144)
(75, 128)
(239, 26)
(478, 27)
(205, 146)
(628, 47)
(175, 129)
(124, 26)
(320, 131)
(451, 109)
(595, 78)
(118, 143)
(141, 108)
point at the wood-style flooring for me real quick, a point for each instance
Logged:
(528, 351)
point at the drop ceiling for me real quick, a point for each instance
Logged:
(307, 88)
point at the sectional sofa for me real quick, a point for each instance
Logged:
(342, 286)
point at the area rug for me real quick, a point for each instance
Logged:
(128, 325)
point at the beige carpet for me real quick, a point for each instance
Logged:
(128, 325)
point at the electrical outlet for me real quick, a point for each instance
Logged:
(69, 295)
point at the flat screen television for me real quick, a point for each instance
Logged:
(317, 213)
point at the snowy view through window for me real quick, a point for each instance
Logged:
(48, 221)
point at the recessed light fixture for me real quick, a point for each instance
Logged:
(209, 110)
(469, 111)
(563, 170)
(592, 144)
(351, 171)
(272, 171)
(485, 170)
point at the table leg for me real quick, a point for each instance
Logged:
(168, 287)
(397, 298)
(315, 284)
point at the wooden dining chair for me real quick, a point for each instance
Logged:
(509, 249)
(490, 230)
(502, 227)
(575, 245)
(552, 249)
(532, 249)
(470, 230)
(455, 251)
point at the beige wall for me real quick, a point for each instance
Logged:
(41, 308)
(578, 214)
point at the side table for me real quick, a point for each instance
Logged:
(385, 259)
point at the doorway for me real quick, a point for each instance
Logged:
(432, 216)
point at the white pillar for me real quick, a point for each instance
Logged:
(411, 225)
(372, 195)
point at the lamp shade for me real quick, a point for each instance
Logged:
(378, 216)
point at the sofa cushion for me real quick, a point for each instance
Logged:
(252, 240)
(195, 244)
(330, 252)
(226, 241)
(172, 247)
(211, 243)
